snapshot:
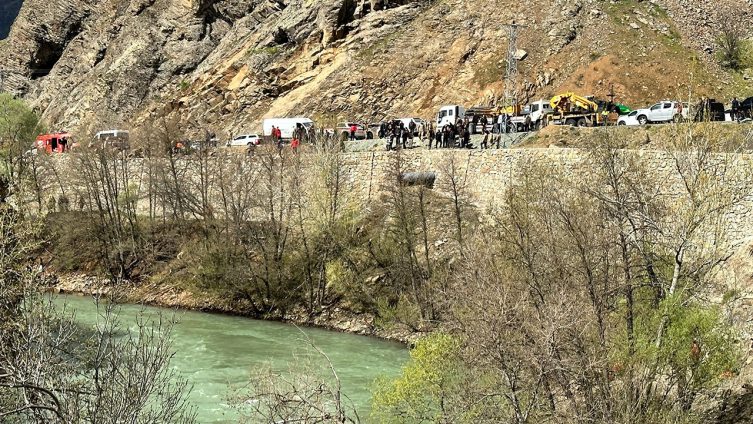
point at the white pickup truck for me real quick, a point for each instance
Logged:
(664, 111)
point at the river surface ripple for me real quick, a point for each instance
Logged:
(216, 352)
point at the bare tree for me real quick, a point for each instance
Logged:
(53, 370)
(112, 195)
(306, 393)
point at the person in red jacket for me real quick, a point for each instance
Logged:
(353, 129)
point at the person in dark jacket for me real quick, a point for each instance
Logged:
(395, 134)
(404, 134)
(735, 109)
(485, 141)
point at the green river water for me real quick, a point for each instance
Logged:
(216, 351)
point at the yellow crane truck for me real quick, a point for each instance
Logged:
(577, 111)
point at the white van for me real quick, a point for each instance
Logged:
(286, 126)
(449, 115)
(117, 139)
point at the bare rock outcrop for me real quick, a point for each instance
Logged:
(224, 64)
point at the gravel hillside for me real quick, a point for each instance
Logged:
(225, 64)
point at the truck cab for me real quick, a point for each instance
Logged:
(449, 115)
(538, 110)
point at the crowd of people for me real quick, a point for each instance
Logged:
(457, 135)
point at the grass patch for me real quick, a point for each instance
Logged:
(270, 50)
(489, 70)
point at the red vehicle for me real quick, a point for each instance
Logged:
(54, 143)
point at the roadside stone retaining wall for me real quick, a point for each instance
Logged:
(485, 174)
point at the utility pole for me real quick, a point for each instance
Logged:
(511, 73)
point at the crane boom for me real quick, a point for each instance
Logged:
(571, 102)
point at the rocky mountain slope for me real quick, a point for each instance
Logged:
(225, 64)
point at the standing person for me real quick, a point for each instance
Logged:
(294, 145)
(466, 139)
(395, 134)
(528, 122)
(735, 109)
(438, 139)
(412, 128)
(485, 141)
(273, 133)
(353, 129)
(461, 134)
(404, 134)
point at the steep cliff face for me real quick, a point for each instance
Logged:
(8, 12)
(225, 64)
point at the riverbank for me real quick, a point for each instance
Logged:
(148, 293)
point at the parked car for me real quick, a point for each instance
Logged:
(343, 129)
(664, 111)
(709, 110)
(746, 108)
(245, 140)
(629, 119)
